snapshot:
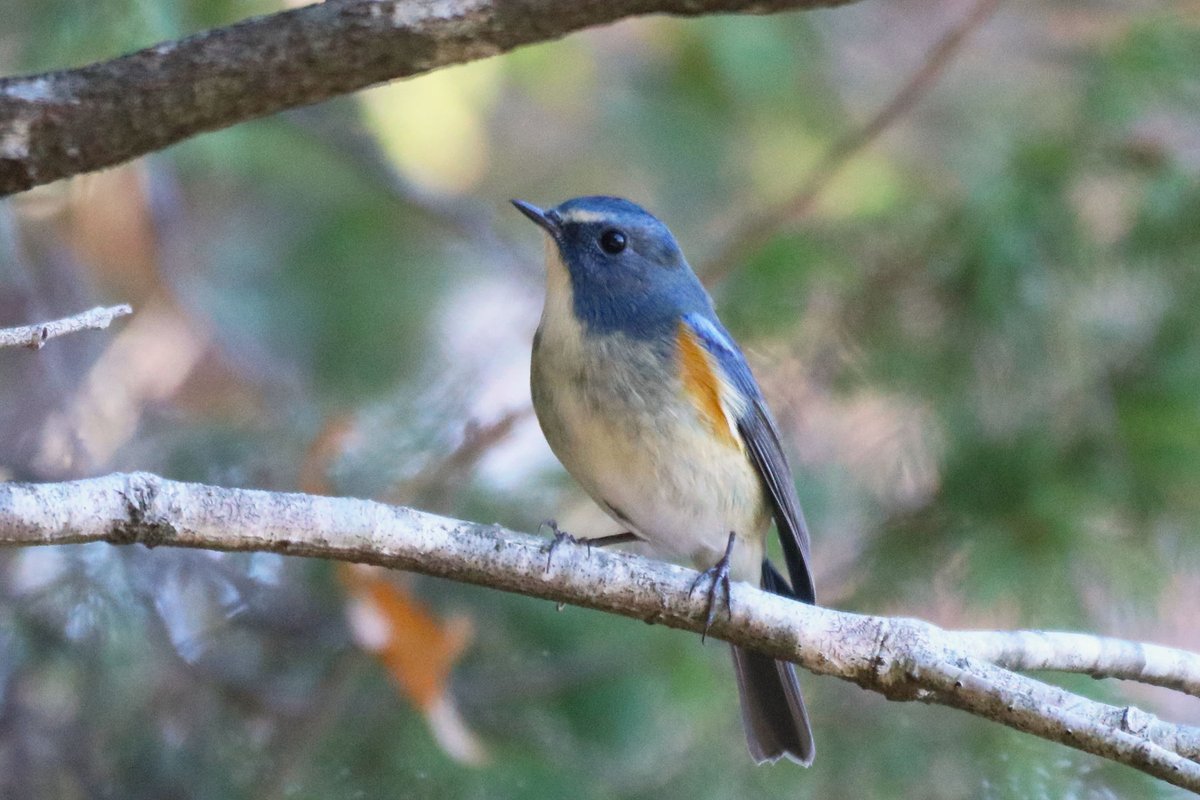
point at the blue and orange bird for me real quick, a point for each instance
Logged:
(649, 404)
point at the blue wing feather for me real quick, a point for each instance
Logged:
(761, 436)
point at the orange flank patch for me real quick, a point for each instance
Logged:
(703, 384)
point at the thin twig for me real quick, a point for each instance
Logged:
(437, 476)
(34, 336)
(757, 229)
(903, 659)
(1097, 656)
(339, 126)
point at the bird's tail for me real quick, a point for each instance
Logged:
(773, 711)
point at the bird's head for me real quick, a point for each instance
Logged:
(625, 270)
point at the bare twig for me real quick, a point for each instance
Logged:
(1097, 656)
(756, 230)
(34, 336)
(902, 659)
(62, 123)
(478, 439)
(340, 128)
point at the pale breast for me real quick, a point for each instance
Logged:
(614, 411)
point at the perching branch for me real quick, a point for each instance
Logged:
(63, 123)
(34, 336)
(902, 659)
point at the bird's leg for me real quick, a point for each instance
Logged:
(561, 536)
(718, 575)
(605, 541)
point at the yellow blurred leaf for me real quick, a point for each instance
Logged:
(433, 127)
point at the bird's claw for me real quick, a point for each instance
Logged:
(718, 576)
(560, 536)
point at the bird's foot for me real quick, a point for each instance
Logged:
(718, 576)
(560, 536)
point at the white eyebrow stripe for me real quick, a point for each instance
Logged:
(583, 216)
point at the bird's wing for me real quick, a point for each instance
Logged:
(758, 432)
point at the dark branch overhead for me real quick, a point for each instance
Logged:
(63, 123)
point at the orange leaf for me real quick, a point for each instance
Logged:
(417, 648)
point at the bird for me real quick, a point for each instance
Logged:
(650, 405)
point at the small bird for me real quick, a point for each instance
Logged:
(650, 405)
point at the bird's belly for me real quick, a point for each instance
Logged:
(640, 449)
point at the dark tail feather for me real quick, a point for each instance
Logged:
(772, 709)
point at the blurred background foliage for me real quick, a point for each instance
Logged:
(980, 336)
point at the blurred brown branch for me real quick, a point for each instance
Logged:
(34, 336)
(756, 230)
(902, 659)
(431, 484)
(63, 123)
(340, 128)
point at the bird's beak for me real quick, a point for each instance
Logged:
(544, 219)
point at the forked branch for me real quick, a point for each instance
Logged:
(903, 659)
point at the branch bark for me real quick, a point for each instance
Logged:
(1097, 656)
(902, 659)
(34, 336)
(63, 123)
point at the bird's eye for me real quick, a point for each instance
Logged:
(613, 241)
